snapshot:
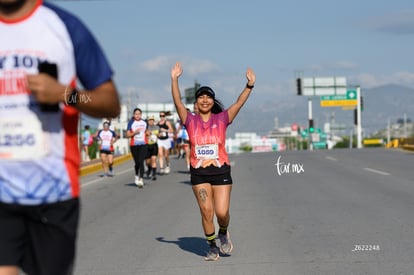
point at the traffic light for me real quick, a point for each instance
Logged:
(299, 86)
(311, 127)
(362, 103)
(355, 116)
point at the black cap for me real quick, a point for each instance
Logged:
(205, 91)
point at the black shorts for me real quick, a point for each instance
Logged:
(106, 152)
(219, 179)
(152, 150)
(39, 239)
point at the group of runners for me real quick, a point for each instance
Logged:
(151, 142)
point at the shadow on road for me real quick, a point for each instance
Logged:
(195, 245)
(186, 182)
(186, 172)
(131, 184)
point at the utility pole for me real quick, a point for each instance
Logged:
(310, 122)
(388, 131)
(405, 126)
(359, 124)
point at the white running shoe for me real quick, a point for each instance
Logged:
(167, 170)
(141, 183)
(138, 182)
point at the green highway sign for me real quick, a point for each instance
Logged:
(333, 97)
(348, 99)
(350, 95)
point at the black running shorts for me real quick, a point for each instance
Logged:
(39, 239)
(219, 179)
(152, 150)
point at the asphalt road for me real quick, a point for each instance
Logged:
(320, 212)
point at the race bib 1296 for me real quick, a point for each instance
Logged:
(22, 139)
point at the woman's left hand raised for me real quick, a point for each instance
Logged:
(251, 77)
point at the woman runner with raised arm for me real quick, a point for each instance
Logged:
(210, 166)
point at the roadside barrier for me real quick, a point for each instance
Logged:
(96, 165)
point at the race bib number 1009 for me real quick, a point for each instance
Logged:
(207, 151)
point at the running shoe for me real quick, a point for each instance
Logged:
(138, 182)
(167, 170)
(111, 173)
(212, 254)
(226, 246)
(162, 171)
(141, 183)
(153, 177)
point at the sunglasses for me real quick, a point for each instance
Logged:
(162, 115)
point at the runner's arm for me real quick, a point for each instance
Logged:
(235, 108)
(176, 72)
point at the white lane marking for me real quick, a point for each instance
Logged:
(377, 171)
(90, 182)
(99, 179)
(331, 158)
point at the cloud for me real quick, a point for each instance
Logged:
(149, 80)
(192, 66)
(400, 23)
(328, 67)
(157, 64)
(196, 67)
(345, 65)
(369, 80)
(133, 95)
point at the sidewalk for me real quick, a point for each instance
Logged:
(92, 166)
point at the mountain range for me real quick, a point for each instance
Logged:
(381, 105)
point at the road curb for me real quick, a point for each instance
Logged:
(409, 147)
(92, 168)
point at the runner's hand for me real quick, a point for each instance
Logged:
(45, 88)
(251, 77)
(176, 71)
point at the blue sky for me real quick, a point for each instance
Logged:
(368, 42)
